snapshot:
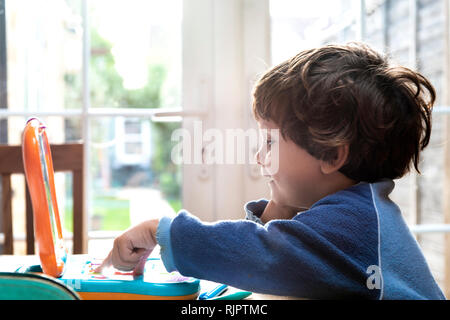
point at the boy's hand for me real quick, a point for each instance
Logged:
(274, 210)
(131, 248)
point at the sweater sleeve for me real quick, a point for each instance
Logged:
(283, 257)
(254, 210)
(163, 239)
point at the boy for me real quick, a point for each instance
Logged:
(349, 124)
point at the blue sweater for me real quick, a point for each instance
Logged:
(351, 244)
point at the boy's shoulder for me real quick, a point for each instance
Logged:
(347, 216)
(348, 220)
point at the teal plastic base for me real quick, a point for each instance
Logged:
(155, 281)
(30, 286)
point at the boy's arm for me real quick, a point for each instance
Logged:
(285, 257)
(131, 248)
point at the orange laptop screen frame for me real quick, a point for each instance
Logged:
(38, 165)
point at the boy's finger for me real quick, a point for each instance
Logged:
(105, 264)
(139, 269)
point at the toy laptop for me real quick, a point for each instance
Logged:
(77, 271)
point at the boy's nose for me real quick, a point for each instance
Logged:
(258, 157)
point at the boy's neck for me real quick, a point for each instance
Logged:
(335, 183)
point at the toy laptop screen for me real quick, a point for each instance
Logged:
(38, 166)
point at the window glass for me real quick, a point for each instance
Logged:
(132, 175)
(135, 53)
(44, 45)
(301, 24)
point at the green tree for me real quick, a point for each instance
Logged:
(107, 90)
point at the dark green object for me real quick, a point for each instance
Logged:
(29, 286)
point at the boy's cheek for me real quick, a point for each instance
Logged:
(274, 167)
(274, 161)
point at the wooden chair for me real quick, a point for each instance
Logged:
(66, 157)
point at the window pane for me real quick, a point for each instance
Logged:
(44, 45)
(132, 175)
(301, 24)
(59, 130)
(135, 53)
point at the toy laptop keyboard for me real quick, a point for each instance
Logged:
(155, 283)
(77, 271)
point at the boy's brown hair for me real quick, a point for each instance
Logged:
(350, 95)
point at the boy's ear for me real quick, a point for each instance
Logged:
(334, 165)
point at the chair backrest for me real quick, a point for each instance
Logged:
(29, 286)
(66, 157)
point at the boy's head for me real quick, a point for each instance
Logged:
(349, 95)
